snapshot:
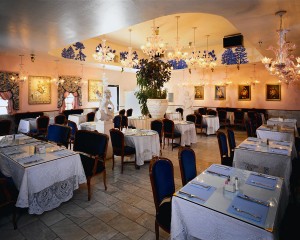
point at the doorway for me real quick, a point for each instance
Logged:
(114, 89)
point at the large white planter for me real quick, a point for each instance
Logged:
(157, 107)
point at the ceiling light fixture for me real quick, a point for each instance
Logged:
(154, 46)
(208, 59)
(193, 60)
(283, 66)
(254, 79)
(130, 58)
(104, 54)
(22, 72)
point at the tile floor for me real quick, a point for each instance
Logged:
(125, 211)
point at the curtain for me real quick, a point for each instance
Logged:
(76, 100)
(63, 106)
(8, 96)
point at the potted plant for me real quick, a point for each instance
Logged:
(151, 77)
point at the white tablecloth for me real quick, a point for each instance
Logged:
(173, 116)
(212, 122)
(146, 146)
(283, 122)
(45, 184)
(188, 132)
(140, 123)
(29, 124)
(211, 220)
(77, 118)
(279, 134)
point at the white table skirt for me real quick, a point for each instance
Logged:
(29, 124)
(265, 133)
(44, 186)
(188, 132)
(283, 122)
(173, 116)
(140, 123)
(213, 124)
(77, 118)
(145, 146)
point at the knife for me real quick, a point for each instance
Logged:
(191, 195)
(261, 184)
(251, 199)
(264, 176)
(219, 174)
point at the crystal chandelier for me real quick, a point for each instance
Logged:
(283, 66)
(104, 54)
(208, 59)
(22, 73)
(193, 60)
(154, 46)
(177, 55)
(130, 58)
(254, 79)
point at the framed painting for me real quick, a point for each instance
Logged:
(95, 87)
(39, 90)
(199, 93)
(220, 92)
(244, 92)
(273, 92)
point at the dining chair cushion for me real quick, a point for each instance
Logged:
(175, 135)
(88, 164)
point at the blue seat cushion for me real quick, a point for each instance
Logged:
(175, 135)
(129, 150)
(163, 217)
(88, 164)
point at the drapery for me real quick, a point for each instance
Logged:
(8, 96)
(63, 106)
(9, 88)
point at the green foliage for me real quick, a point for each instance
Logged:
(151, 78)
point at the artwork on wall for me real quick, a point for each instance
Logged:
(220, 92)
(244, 92)
(273, 92)
(94, 86)
(39, 90)
(199, 93)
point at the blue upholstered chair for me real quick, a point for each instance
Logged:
(119, 148)
(191, 118)
(187, 164)
(180, 110)
(161, 173)
(74, 129)
(5, 125)
(90, 117)
(200, 124)
(129, 112)
(60, 134)
(92, 147)
(158, 126)
(117, 121)
(42, 124)
(222, 141)
(60, 119)
(231, 142)
(170, 133)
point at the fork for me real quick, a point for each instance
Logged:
(242, 211)
(199, 184)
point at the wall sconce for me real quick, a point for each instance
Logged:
(32, 57)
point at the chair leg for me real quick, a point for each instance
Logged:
(15, 217)
(122, 163)
(89, 188)
(104, 179)
(164, 143)
(172, 144)
(113, 161)
(156, 231)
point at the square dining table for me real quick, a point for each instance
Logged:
(187, 130)
(277, 132)
(77, 118)
(45, 179)
(203, 209)
(212, 122)
(29, 124)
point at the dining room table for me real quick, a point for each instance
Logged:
(27, 125)
(212, 122)
(289, 122)
(146, 144)
(187, 130)
(77, 118)
(277, 132)
(45, 174)
(140, 122)
(214, 205)
(173, 115)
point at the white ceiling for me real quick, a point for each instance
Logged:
(42, 26)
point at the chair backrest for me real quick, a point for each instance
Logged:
(73, 127)
(222, 114)
(129, 112)
(199, 118)
(59, 134)
(117, 121)
(259, 121)
(202, 110)
(91, 142)
(231, 140)
(124, 122)
(249, 128)
(122, 112)
(181, 111)
(168, 126)
(161, 173)
(42, 123)
(60, 119)
(5, 125)
(187, 164)
(222, 141)
(191, 118)
(238, 115)
(157, 125)
(90, 117)
(117, 141)
(211, 112)
(251, 115)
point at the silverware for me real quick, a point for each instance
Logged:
(222, 167)
(191, 195)
(261, 184)
(33, 161)
(219, 174)
(242, 211)
(264, 176)
(199, 184)
(251, 199)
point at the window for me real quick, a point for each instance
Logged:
(69, 101)
(3, 106)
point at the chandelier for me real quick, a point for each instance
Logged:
(254, 79)
(177, 55)
(154, 46)
(283, 66)
(193, 60)
(208, 60)
(55, 78)
(22, 73)
(104, 54)
(130, 58)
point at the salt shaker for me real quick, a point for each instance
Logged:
(236, 184)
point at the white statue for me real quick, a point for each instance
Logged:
(106, 107)
(188, 104)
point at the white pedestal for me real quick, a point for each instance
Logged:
(104, 127)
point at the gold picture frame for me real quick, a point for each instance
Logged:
(244, 92)
(199, 92)
(273, 92)
(220, 92)
(94, 86)
(39, 90)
